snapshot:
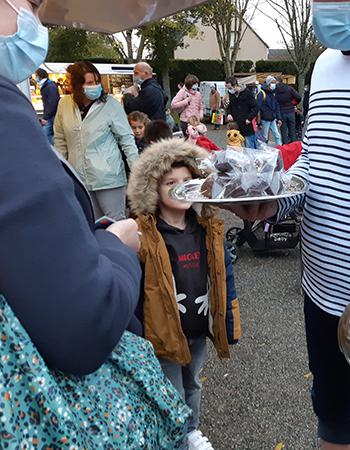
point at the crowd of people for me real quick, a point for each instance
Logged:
(104, 325)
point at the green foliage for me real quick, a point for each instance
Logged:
(244, 66)
(286, 67)
(69, 44)
(165, 36)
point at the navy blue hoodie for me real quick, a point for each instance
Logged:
(268, 105)
(73, 289)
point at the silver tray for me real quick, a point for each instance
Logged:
(296, 187)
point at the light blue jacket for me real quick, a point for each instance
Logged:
(93, 146)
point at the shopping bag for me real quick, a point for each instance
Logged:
(217, 118)
(126, 404)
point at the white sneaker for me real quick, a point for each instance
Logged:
(196, 441)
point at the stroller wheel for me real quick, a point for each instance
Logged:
(233, 235)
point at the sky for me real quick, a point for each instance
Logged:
(265, 27)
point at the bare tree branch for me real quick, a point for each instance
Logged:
(294, 25)
(230, 20)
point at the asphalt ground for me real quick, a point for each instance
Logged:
(260, 398)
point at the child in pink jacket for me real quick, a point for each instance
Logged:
(188, 102)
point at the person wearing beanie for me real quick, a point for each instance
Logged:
(270, 118)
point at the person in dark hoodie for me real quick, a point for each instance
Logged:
(150, 98)
(50, 97)
(270, 117)
(287, 98)
(242, 108)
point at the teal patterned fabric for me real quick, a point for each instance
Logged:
(126, 404)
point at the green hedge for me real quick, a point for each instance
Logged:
(286, 67)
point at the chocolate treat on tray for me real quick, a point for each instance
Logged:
(214, 186)
(252, 173)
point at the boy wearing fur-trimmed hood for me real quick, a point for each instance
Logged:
(189, 290)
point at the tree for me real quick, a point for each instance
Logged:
(294, 24)
(230, 20)
(135, 44)
(69, 44)
(162, 38)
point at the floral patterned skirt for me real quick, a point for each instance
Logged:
(127, 404)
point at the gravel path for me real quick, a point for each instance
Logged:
(260, 398)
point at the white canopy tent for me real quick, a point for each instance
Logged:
(110, 16)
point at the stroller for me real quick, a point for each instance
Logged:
(263, 237)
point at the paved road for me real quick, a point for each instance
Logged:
(260, 397)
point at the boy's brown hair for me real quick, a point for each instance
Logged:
(138, 116)
(156, 130)
(232, 126)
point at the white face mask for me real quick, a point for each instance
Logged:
(195, 87)
(273, 86)
(23, 52)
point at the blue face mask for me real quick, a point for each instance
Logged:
(23, 52)
(138, 80)
(331, 23)
(93, 92)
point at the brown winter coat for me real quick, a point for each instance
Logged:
(162, 323)
(214, 100)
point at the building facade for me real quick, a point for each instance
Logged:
(206, 47)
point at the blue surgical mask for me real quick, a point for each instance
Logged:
(231, 91)
(93, 92)
(41, 81)
(138, 80)
(331, 23)
(22, 53)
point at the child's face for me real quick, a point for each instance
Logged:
(175, 176)
(138, 128)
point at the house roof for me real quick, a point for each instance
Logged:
(257, 35)
(278, 54)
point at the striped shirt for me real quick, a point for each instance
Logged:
(325, 164)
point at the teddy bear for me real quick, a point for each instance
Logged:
(234, 137)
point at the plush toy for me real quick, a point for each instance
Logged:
(234, 137)
(196, 135)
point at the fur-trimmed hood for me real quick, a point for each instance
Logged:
(154, 162)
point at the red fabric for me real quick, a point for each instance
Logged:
(206, 143)
(290, 153)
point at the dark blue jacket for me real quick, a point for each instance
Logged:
(243, 107)
(268, 105)
(285, 95)
(73, 289)
(151, 100)
(50, 97)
